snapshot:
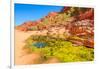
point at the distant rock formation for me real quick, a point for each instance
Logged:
(26, 25)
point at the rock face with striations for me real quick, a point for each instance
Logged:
(83, 29)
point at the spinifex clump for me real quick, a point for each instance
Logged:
(63, 50)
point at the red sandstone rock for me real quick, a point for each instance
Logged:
(87, 15)
(89, 43)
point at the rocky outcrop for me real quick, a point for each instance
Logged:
(79, 13)
(82, 28)
(26, 25)
(60, 24)
(87, 15)
(51, 14)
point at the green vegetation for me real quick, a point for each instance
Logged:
(59, 48)
(74, 11)
(58, 20)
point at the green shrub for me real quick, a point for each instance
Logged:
(61, 49)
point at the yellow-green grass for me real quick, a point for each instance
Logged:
(61, 49)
